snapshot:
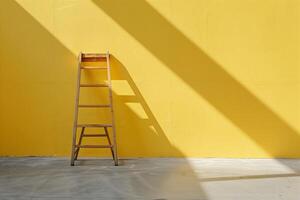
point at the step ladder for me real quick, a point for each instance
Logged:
(93, 57)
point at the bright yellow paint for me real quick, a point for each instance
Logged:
(197, 78)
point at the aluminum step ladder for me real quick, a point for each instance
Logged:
(112, 145)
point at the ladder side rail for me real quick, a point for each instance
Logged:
(79, 143)
(76, 110)
(112, 110)
(109, 142)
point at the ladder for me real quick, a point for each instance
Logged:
(93, 57)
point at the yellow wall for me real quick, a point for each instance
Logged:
(197, 78)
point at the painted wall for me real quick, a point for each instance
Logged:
(197, 78)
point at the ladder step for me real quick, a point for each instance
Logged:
(94, 146)
(94, 85)
(94, 135)
(93, 57)
(94, 125)
(92, 67)
(87, 55)
(94, 106)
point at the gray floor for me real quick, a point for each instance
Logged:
(208, 179)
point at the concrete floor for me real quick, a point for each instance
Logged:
(159, 179)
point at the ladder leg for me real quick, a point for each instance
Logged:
(79, 143)
(115, 151)
(76, 111)
(109, 142)
(112, 112)
(73, 152)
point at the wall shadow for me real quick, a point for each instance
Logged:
(37, 84)
(205, 76)
(147, 131)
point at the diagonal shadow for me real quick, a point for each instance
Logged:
(36, 67)
(205, 76)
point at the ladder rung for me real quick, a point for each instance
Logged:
(94, 146)
(92, 67)
(94, 135)
(94, 106)
(94, 85)
(94, 125)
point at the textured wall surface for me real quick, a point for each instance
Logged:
(197, 78)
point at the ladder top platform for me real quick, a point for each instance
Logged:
(93, 57)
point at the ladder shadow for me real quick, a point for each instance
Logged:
(205, 76)
(146, 130)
